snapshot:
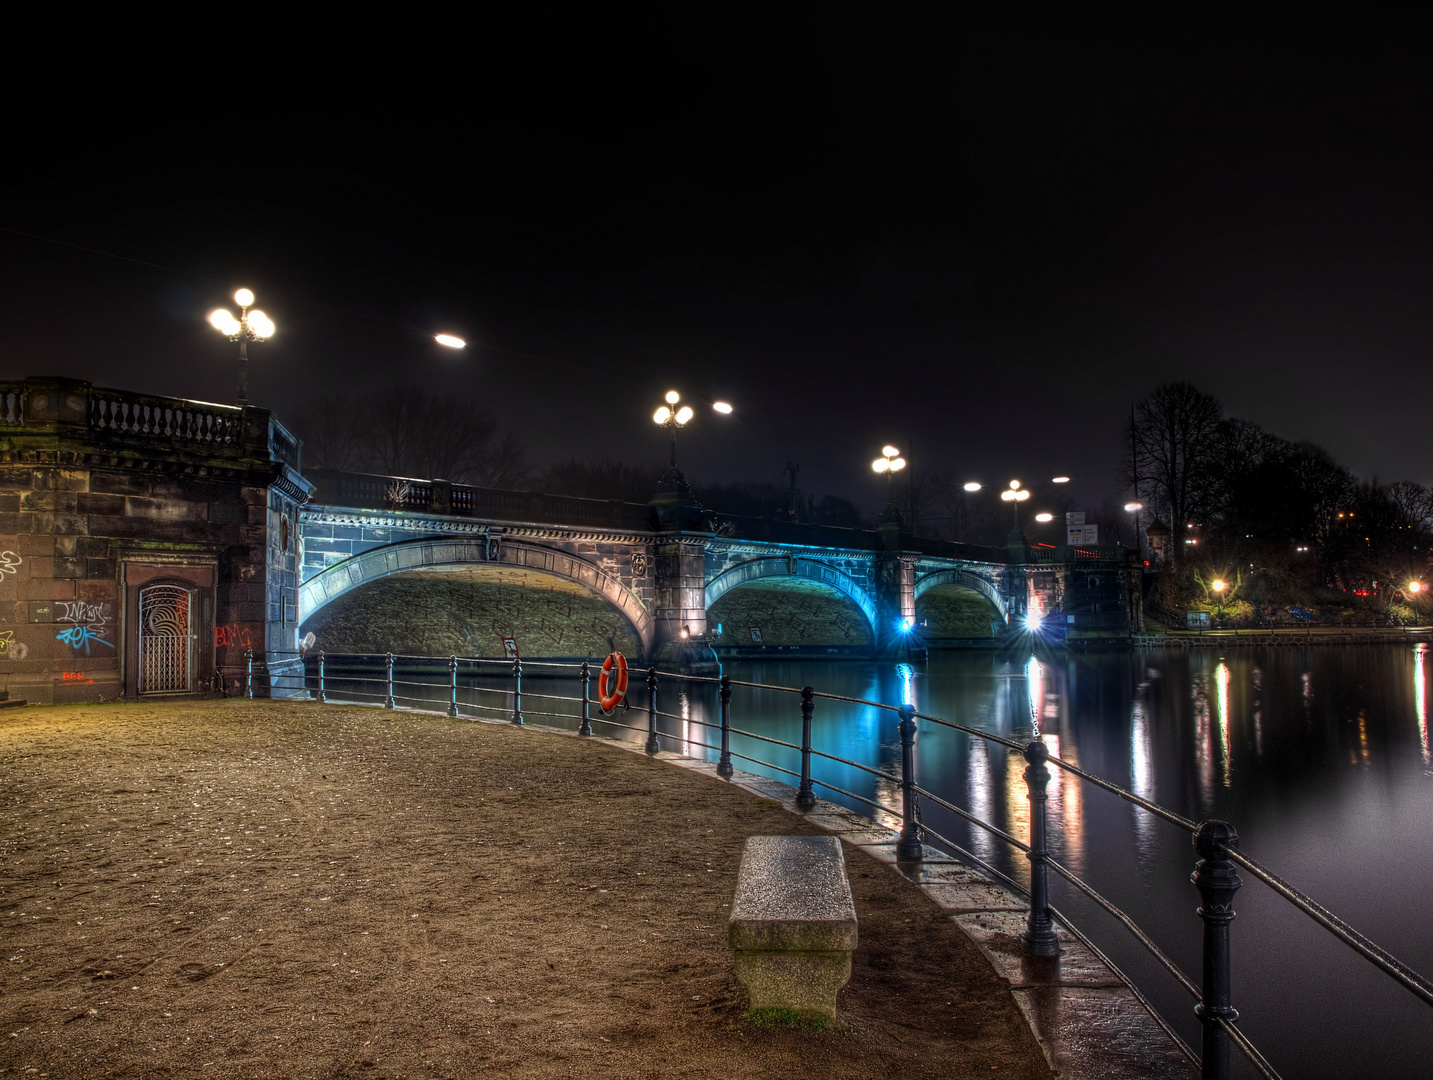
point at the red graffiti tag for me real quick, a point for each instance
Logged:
(226, 636)
(76, 677)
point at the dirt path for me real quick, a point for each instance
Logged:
(257, 889)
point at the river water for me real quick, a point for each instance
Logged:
(1320, 758)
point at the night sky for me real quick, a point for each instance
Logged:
(980, 238)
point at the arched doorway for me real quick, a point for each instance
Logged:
(168, 645)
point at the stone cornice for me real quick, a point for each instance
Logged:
(456, 526)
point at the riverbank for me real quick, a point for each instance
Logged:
(269, 888)
(1282, 636)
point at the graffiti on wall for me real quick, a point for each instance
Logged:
(9, 563)
(89, 623)
(233, 635)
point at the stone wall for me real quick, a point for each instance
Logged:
(468, 612)
(787, 612)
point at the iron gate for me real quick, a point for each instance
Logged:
(166, 645)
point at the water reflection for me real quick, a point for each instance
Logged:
(1141, 768)
(1221, 680)
(1420, 698)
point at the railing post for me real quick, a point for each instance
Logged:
(1215, 878)
(652, 744)
(909, 846)
(724, 762)
(322, 686)
(390, 703)
(805, 797)
(586, 728)
(249, 673)
(517, 691)
(453, 681)
(1040, 939)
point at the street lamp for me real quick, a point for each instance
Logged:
(673, 416)
(1015, 495)
(249, 326)
(1218, 586)
(889, 463)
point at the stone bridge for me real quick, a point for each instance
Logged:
(673, 575)
(153, 545)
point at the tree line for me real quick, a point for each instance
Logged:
(1234, 494)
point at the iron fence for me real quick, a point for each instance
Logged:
(1217, 843)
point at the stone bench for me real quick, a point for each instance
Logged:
(793, 923)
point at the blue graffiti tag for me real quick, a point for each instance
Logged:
(75, 636)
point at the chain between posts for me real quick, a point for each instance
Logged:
(517, 691)
(652, 744)
(805, 796)
(586, 728)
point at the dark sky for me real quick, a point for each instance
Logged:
(981, 238)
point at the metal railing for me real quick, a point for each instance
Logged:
(1217, 843)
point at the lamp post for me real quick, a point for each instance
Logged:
(1015, 495)
(251, 325)
(672, 416)
(888, 464)
(1218, 586)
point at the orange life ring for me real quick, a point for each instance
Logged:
(611, 701)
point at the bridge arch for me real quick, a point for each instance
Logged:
(964, 579)
(781, 566)
(369, 566)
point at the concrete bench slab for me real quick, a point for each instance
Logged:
(793, 923)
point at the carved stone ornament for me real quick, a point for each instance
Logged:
(639, 564)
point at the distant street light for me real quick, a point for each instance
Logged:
(450, 341)
(1044, 518)
(972, 486)
(1060, 480)
(249, 326)
(1015, 495)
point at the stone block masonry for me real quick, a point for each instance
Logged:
(145, 543)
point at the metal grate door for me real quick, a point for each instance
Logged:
(166, 646)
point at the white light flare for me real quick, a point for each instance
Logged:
(450, 341)
(244, 298)
(722, 407)
(223, 321)
(972, 486)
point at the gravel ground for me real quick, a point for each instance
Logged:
(262, 889)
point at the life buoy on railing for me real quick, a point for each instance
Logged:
(609, 701)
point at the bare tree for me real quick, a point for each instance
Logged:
(1174, 432)
(409, 431)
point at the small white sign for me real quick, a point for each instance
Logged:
(1082, 535)
(1074, 517)
(755, 634)
(510, 647)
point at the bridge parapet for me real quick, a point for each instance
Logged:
(371, 492)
